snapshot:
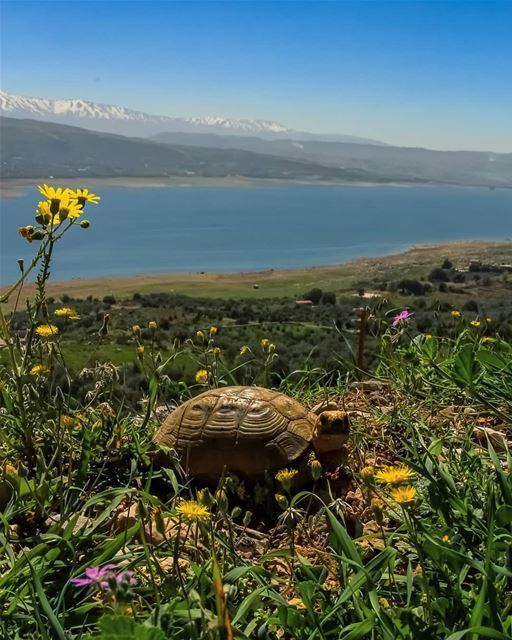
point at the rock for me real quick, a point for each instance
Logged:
(497, 438)
(369, 385)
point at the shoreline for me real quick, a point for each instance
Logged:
(262, 283)
(15, 187)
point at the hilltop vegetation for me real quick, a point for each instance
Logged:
(31, 148)
(410, 538)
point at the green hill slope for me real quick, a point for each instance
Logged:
(38, 149)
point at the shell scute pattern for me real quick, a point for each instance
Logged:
(247, 428)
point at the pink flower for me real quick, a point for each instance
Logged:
(401, 317)
(106, 579)
(96, 575)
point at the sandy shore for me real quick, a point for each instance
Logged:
(15, 187)
(285, 282)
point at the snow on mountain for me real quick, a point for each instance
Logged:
(114, 119)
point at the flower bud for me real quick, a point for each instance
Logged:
(377, 507)
(21, 264)
(85, 224)
(236, 512)
(221, 499)
(152, 325)
(281, 501)
(38, 234)
(247, 518)
(205, 497)
(316, 469)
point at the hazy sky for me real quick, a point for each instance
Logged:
(433, 74)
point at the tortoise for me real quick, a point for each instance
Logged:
(251, 431)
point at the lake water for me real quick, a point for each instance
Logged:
(191, 229)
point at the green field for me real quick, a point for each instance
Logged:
(292, 283)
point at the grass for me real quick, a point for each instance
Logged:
(287, 283)
(105, 535)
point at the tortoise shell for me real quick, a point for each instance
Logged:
(247, 430)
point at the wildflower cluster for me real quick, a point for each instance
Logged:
(392, 477)
(61, 204)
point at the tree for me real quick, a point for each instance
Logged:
(447, 264)
(329, 297)
(414, 287)
(439, 275)
(315, 295)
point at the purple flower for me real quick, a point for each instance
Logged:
(96, 575)
(126, 578)
(401, 317)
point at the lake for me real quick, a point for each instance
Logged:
(191, 229)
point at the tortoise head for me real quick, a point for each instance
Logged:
(331, 431)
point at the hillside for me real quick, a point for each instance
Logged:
(31, 148)
(389, 162)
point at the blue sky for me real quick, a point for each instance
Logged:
(434, 74)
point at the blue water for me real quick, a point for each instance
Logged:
(156, 230)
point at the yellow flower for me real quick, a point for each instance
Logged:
(475, 323)
(67, 421)
(488, 339)
(216, 351)
(446, 538)
(200, 335)
(136, 329)
(66, 209)
(43, 214)
(404, 495)
(455, 313)
(202, 376)
(67, 312)
(128, 611)
(285, 477)
(394, 475)
(53, 193)
(244, 349)
(152, 325)
(9, 469)
(265, 342)
(83, 196)
(39, 370)
(377, 504)
(367, 472)
(384, 602)
(46, 330)
(193, 511)
(213, 329)
(140, 349)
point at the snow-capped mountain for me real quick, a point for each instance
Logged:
(114, 119)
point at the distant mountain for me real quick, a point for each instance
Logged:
(388, 162)
(120, 120)
(31, 148)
